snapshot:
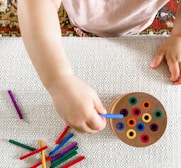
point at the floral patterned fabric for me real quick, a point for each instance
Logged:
(164, 19)
(163, 22)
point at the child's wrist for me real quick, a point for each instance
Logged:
(59, 85)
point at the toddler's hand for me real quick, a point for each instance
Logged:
(170, 49)
(78, 104)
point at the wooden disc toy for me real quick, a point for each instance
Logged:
(144, 119)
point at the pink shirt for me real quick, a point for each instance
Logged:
(112, 17)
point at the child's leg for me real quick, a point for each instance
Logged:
(81, 32)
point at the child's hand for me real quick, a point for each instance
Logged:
(170, 49)
(78, 104)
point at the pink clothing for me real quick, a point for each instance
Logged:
(112, 17)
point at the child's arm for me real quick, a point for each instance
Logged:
(40, 31)
(75, 101)
(170, 49)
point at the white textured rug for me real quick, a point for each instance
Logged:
(113, 67)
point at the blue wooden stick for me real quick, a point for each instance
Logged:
(115, 116)
(61, 144)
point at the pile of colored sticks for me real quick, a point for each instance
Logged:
(57, 157)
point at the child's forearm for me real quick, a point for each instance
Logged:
(177, 24)
(40, 29)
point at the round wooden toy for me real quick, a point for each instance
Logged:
(144, 119)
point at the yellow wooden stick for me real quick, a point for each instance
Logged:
(43, 155)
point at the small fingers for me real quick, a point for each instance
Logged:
(173, 65)
(91, 123)
(96, 122)
(174, 69)
(86, 129)
(83, 128)
(157, 59)
(178, 81)
(99, 106)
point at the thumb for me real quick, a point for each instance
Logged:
(99, 106)
(158, 58)
(98, 123)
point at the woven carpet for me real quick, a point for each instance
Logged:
(99, 62)
(162, 24)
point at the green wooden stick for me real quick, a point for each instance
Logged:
(21, 145)
(65, 155)
(63, 159)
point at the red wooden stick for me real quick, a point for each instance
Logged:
(73, 162)
(40, 162)
(62, 134)
(33, 152)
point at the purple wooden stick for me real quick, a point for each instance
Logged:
(68, 148)
(15, 104)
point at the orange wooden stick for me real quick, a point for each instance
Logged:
(40, 162)
(42, 155)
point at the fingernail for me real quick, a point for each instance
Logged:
(152, 64)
